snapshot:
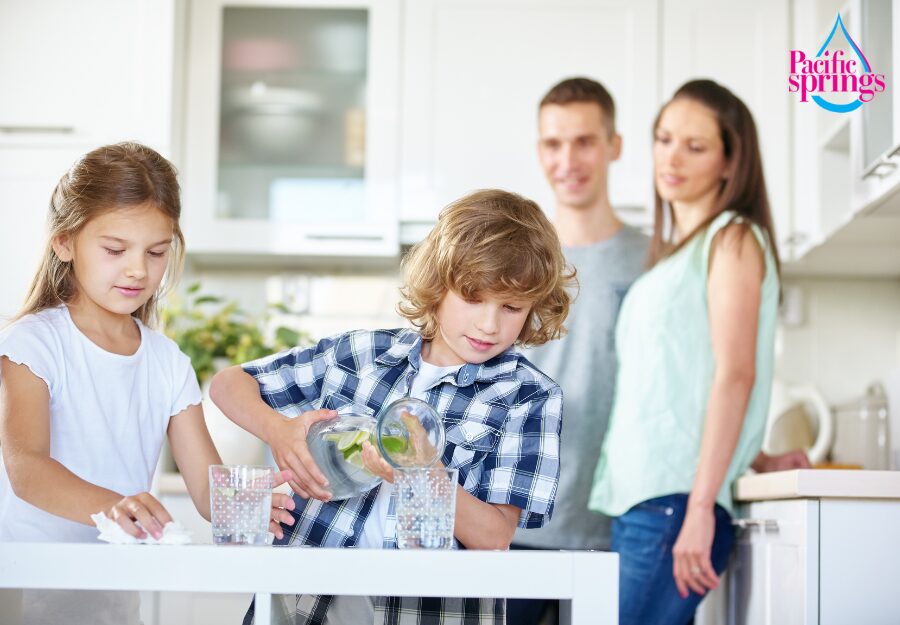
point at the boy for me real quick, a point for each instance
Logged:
(489, 275)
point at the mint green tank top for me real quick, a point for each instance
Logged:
(664, 378)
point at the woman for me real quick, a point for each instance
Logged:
(695, 341)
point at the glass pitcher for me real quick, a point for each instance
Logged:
(407, 433)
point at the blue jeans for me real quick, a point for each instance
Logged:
(644, 537)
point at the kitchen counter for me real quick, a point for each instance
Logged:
(818, 483)
(817, 547)
(586, 582)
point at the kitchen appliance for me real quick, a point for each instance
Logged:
(862, 432)
(799, 418)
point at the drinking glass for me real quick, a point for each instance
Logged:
(426, 507)
(240, 503)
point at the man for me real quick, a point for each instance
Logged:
(577, 142)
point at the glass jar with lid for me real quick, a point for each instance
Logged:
(407, 433)
(862, 434)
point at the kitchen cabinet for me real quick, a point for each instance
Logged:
(816, 547)
(774, 576)
(86, 73)
(877, 129)
(474, 74)
(57, 62)
(846, 174)
(291, 129)
(27, 179)
(741, 45)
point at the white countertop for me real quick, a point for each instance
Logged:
(818, 483)
(587, 582)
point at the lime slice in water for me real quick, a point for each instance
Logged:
(355, 459)
(394, 444)
(349, 439)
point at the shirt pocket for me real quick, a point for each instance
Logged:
(469, 442)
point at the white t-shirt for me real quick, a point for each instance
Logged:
(352, 610)
(108, 413)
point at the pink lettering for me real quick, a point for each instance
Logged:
(797, 57)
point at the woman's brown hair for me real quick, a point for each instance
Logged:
(743, 191)
(124, 175)
(494, 242)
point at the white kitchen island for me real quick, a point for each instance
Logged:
(586, 582)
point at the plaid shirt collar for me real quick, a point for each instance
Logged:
(409, 347)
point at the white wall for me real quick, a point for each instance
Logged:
(849, 337)
(327, 301)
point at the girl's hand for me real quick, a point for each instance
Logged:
(691, 564)
(375, 464)
(289, 448)
(142, 508)
(281, 503)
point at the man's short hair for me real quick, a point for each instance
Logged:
(582, 89)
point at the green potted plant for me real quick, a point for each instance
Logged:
(215, 332)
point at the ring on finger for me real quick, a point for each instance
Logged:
(695, 570)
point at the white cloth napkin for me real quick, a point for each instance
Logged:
(111, 532)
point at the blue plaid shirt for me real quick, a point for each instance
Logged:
(502, 420)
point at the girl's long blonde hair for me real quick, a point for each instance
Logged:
(112, 177)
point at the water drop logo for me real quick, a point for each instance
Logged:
(835, 72)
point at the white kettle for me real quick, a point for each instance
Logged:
(788, 427)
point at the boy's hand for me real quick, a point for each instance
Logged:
(281, 503)
(142, 508)
(423, 452)
(288, 442)
(375, 464)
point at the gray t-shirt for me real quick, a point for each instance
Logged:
(583, 363)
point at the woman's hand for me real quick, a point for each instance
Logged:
(281, 504)
(691, 563)
(287, 439)
(142, 508)
(794, 459)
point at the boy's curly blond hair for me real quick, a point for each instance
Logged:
(490, 242)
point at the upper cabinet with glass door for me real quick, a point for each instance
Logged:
(291, 129)
(878, 151)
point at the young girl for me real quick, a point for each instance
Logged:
(87, 389)
(695, 340)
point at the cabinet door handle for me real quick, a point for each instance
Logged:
(797, 238)
(880, 170)
(766, 525)
(44, 130)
